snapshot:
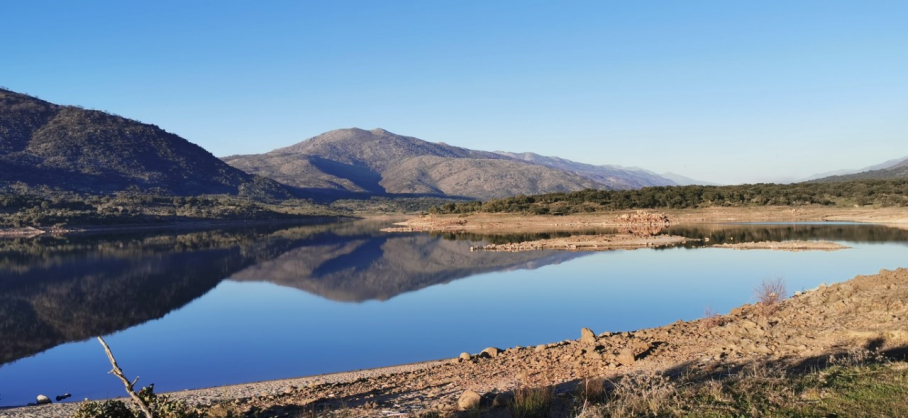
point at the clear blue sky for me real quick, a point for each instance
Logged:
(727, 91)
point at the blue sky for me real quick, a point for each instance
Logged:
(726, 91)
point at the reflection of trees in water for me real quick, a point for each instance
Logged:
(719, 234)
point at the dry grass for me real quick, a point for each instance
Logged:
(856, 383)
(711, 319)
(532, 402)
(769, 294)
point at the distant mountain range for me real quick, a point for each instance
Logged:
(44, 145)
(358, 161)
(895, 169)
(686, 181)
(74, 149)
(840, 174)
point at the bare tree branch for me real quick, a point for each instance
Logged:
(118, 372)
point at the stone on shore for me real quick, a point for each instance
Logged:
(469, 400)
(491, 352)
(626, 357)
(43, 400)
(465, 356)
(587, 336)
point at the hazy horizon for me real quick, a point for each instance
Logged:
(715, 91)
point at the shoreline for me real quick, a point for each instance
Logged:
(867, 310)
(503, 223)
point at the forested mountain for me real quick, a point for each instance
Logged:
(88, 151)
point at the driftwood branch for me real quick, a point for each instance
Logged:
(118, 372)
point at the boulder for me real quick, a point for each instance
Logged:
(469, 400)
(626, 357)
(43, 400)
(492, 352)
(465, 356)
(502, 400)
(587, 336)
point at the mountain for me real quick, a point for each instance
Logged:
(615, 177)
(378, 162)
(883, 166)
(686, 181)
(88, 151)
(897, 171)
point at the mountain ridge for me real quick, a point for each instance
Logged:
(379, 162)
(43, 144)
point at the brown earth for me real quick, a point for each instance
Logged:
(793, 246)
(505, 223)
(601, 242)
(867, 312)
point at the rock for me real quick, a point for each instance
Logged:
(469, 400)
(465, 356)
(587, 336)
(626, 357)
(540, 348)
(43, 400)
(492, 352)
(63, 396)
(502, 400)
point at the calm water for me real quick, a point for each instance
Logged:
(197, 309)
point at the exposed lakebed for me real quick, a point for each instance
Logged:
(199, 309)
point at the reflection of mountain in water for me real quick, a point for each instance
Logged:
(386, 266)
(58, 290)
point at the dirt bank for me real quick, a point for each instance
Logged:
(865, 312)
(602, 242)
(793, 246)
(506, 223)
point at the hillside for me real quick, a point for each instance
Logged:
(88, 151)
(378, 162)
(894, 163)
(897, 171)
(614, 176)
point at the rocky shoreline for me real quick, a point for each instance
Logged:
(867, 312)
(792, 246)
(601, 242)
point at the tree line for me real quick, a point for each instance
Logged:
(881, 193)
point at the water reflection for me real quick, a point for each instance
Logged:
(57, 290)
(236, 288)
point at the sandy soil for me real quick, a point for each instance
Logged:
(793, 246)
(505, 223)
(600, 242)
(865, 312)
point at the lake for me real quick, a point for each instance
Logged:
(197, 309)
